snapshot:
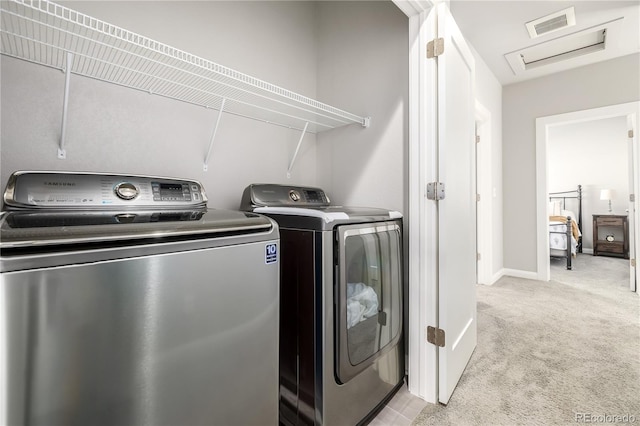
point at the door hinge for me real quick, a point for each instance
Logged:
(479, 256)
(478, 139)
(632, 197)
(477, 197)
(435, 48)
(435, 191)
(633, 263)
(435, 336)
(630, 133)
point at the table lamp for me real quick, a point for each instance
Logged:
(606, 194)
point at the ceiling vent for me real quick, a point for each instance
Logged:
(550, 23)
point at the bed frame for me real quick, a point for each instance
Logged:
(575, 194)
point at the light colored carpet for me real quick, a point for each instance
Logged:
(548, 351)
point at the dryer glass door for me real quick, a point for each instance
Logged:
(368, 294)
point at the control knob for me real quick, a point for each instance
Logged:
(294, 195)
(126, 191)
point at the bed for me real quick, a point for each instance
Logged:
(565, 224)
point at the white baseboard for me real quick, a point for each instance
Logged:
(520, 274)
(497, 276)
(506, 272)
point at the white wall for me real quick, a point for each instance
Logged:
(363, 66)
(605, 83)
(114, 129)
(593, 154)
(489, 95)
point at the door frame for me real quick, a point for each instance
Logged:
(543, 124)
(422, 301)
(632, 149)
(483, 184)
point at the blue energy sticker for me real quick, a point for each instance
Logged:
(271, 253)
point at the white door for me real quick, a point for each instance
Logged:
(457, 211)
(442, 241)
(632, 211)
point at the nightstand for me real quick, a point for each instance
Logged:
(610, 224)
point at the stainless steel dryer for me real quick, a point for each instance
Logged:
(124, 301)
(341, 351)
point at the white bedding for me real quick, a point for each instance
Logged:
(558, 238)
(362, 303)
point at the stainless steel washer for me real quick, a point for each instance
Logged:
(124, 301)
(341, 351)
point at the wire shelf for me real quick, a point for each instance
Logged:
(46, 33)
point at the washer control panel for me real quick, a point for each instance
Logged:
(60, 190)
(272, 195)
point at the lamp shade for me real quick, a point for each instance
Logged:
(605, 194)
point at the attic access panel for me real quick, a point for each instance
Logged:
(563, 49)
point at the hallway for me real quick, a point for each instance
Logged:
(551, 353)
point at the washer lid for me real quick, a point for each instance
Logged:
(333, 214)
(25, 229)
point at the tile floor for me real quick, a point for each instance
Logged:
(400, 411)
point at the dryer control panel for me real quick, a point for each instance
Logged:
(68, 190)
(272, 195)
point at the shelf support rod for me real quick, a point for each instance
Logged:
(295, 154)
(213, 135)
(62, 154)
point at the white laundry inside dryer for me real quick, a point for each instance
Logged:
(362, 303)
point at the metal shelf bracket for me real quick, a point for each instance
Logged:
(62, 153)
(213, 136)
(295, 154)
